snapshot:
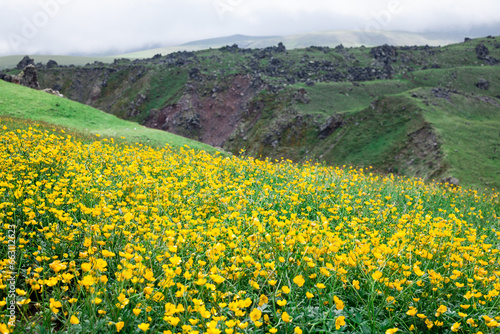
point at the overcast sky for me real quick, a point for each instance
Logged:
(116, 26)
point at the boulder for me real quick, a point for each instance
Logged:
(51, 64)
(7, 78)
(385, 53)
(53, 92)
(29, 77)
(481, 51)
(452, 181)
(25, 62)
(301, 96)
(483, 84)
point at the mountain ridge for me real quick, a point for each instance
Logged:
(430, 112)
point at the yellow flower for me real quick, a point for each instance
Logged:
(20, 292)
(286, 289)
(339, 322)
(377, 275)
(4, 329)
(255, 315)
(230, 323)
(455, 327)
(143, 327)
(391, 331)
(412, 311)
(285, 317)
(281, 302)
(119, 326)
(441, 309)
(136, 311)
(297, 330)
(107, 253)
(86, 266)
(299, 280)
(339, 304)
(87, 281)
(320, 286)
(355, 284)
(74, 320)
(263, 300)
(217, 279)
(309, 295)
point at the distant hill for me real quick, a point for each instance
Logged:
(243, 41)
(298, 41)
(331, 39)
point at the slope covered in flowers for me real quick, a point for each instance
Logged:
(117, 238)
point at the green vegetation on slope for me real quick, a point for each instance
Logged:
(21, 102)
(131, 239)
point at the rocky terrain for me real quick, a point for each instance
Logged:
(378, 107)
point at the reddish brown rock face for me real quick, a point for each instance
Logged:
(212, 117)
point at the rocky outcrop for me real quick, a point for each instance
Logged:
(25, 62)
(51, 64)
(52, 92)
(386, 54)
(210, 117)
(29, 77)
(483, 84)
(451, 181)
(482, 53)
(333, 123)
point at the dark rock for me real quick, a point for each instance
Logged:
(7, 78)
(467, 39)
(157, 56)
(331, 124)
(385, 53)
(452, 181)
(195, 74)
(481, 51)
(25, 62)
(310, 83)
(29, 77)
(301, 96)
(483, 84)
(442, 93)
(281, 48)
(51, 64)
(2, 75)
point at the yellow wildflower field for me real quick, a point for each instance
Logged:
(101, 237)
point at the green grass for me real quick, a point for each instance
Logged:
(340, 97)
(468, 127)
(24, 103)
(113, 237)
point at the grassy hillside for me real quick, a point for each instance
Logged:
(21, 102)
(128, 238)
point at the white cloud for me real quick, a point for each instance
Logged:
(97, 26)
